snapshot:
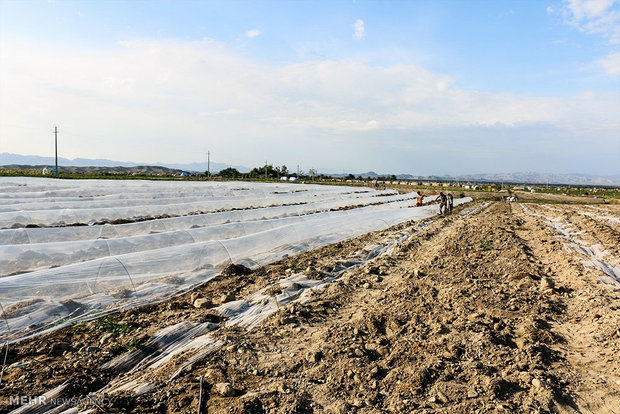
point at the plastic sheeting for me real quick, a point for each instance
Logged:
(38, 188)
(95, 277)
(105, 202)
(62, 217)
(19, 258)
(48, 202)
(59, 234)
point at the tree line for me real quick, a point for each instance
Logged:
(275, 172)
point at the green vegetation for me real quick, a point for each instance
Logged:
(81, 328)
(297, 267)
(105, 324)
(580, 191)
(135, 343)
(487, 245)
(229, 173)
(110, 324)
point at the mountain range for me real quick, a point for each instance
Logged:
(18, 159)
(527, 177)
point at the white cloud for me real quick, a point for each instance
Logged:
(595, 17)
(138, 100)
(611, 63)
(358, 29)
(600, 17)
(252, 33)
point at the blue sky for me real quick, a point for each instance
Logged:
(435, 87)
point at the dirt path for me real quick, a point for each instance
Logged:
(482, 311)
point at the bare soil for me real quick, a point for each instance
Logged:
(487, 310)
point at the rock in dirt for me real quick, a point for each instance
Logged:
(547, 283)
(441, 397)
(228, 297)
(58, 348)
(236, 270)
(203, 303)
(224, 389)
(106, 338)
(314, 356)
(525, 377)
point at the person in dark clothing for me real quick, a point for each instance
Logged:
(443, 201)
(450, 202)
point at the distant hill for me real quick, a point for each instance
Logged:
(516, 178)
(17, 161)
(530, 177)
(139, 169)
(35, 160)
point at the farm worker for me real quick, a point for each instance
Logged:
(419, 199)
(450, 202)
(443, 200)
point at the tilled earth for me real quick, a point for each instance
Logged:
(489, 309)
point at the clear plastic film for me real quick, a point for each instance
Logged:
(72, 216)
(57, 234)
(139, 263)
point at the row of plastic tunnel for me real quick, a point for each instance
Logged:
(59, 275)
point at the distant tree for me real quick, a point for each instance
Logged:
(229, 173)
(259, 172)
(393, 177)
(350, 177)
(284, 170)
(359, 177)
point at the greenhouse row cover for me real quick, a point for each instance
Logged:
(27, 187)
(88, 271)
(38, 301)
(19, 258)
(67, 233)
(52, 203)
(72, 216)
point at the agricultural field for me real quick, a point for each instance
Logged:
(157, 297)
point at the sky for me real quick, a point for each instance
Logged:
(418, 87)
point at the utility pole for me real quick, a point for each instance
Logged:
(56, 149)
(265, 170)
(297, 170)
(208, 163)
